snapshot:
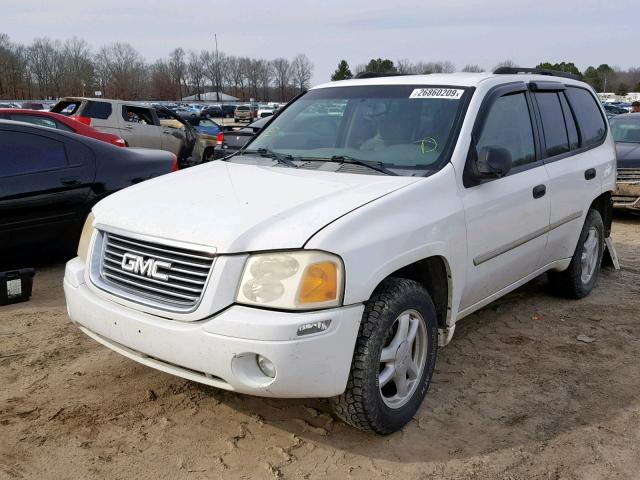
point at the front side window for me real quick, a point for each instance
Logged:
(135, 114)
(404, 128)
(508, 125)
(22, 153)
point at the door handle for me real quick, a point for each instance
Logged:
(590, 174)
(539, 191)
(129, 127)
(69, 181)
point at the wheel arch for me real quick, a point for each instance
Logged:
(434, 274)
(604, 205)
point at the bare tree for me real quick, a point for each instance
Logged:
(505, 63)
(78, 66)
(196, 70)
(43, 56)
(235, 71)
(301, 70)
(405, 66)
(178, 70)
(252, 69)
(266, 76)
(282, 73)
(471, 68)
(122, 71)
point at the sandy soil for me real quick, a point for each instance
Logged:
(514, 396)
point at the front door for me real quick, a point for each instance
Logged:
(139, 128)
(507, 218)
(44, 184)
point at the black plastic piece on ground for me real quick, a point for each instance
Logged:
(16, 285)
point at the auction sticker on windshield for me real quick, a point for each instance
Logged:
(450, 93)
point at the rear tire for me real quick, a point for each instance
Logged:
(394, 358)
(581, 276)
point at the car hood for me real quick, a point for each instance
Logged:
(241, 208)
(628, 155)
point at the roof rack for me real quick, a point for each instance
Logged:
(538, 71)
(381, 74)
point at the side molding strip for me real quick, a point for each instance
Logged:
(485, 257)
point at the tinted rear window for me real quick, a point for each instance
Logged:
(99, 110)
(67, 107)
(555, 132)
(243, 108)
(590, 121)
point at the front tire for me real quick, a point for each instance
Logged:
(581, 276)
(394, 358)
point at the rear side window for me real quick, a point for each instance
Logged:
(590, 122)
(22, 153)
(553, 126)
(98, 110)
(508, 125)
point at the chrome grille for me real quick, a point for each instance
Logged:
(186, 272)
(629, 175)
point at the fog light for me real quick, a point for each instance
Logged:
(266, 366)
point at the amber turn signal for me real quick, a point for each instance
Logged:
(319, 283)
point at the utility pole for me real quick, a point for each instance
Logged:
(215, 36)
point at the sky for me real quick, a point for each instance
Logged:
(586, 32)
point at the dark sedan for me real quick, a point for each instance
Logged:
(50, 180)
(626, 132)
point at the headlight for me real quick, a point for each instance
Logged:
(299, 280)
(85, 237)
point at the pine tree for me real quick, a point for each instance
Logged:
(342, 72)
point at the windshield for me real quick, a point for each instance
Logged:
(626, 129)
(399, 126)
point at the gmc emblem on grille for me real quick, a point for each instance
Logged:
(146, 267)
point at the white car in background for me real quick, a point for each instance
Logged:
(336, 252)
(265, 111)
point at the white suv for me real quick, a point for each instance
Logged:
(334, 254)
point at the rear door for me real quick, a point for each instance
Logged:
(507, 218)
(139, 127)
(573, 127)
(45, 180)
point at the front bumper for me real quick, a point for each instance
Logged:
(221, 350)
(627, 196)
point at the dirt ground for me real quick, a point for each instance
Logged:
(514, 396)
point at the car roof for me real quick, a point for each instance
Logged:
(454, 79)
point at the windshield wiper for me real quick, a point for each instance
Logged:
(283, 158)
(378, 166)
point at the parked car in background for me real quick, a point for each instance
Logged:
(34, 106)
(50, 179)
(626, 132)
(137, 124)
(265, 111)
(245, 113)
(232, 138)
(9, 105)
(614, 109)
(213, 111)
(335, 254)
(59, 122)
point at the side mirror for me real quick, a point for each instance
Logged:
(493, 162)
